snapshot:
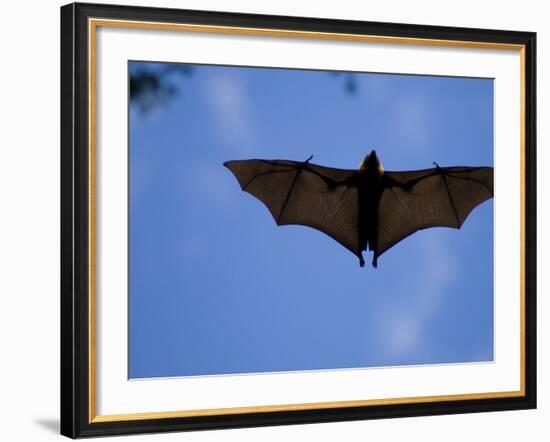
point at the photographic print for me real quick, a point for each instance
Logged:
(385, 166)
(281, 220)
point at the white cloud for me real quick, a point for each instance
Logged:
(403, 337)
(404, 328)
(411, 120)
(444, 269)
(227, 96)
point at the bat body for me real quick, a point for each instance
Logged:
(368, 208)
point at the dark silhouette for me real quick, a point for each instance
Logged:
(151, 85)
(367, 207)
(350, 81)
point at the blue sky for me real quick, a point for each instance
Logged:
(217, 288)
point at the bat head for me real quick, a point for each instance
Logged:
(371, 163)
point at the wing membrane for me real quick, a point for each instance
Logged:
(306, 194)
(438, 197)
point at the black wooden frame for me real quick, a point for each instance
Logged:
(75, 219)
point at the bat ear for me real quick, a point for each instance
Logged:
(363, 163)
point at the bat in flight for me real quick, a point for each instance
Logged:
(365, 208)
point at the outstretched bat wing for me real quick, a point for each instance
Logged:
(302, 193)
(438, 197)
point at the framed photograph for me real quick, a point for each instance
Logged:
(275, 220)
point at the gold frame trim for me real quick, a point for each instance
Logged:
(93, 24)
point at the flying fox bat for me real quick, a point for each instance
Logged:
(368, 207)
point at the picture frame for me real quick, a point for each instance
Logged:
(82, 380)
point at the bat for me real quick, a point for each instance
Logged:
(367, 207)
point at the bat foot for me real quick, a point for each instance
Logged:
(375, 261)
(361, 261)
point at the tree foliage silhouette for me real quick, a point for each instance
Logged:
(152, 85)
